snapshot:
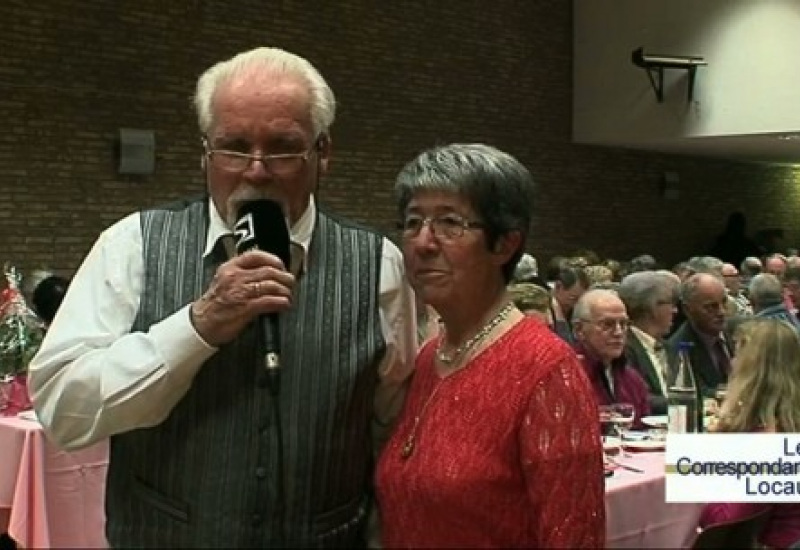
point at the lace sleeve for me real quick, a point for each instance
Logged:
(562, 460)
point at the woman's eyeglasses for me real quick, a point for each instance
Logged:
(449, 226)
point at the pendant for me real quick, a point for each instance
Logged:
(408, 447)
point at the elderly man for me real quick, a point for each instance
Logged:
(650, 298)
(775, 264)
(158, 344)
(766, 294)
(751, 266)
(704, 299)
(738, 302)
(601, 324)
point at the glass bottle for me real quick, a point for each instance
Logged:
(684, 407)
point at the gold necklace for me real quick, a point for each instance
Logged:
(408, 447)
(449, 359)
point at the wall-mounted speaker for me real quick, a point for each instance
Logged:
(137, 151)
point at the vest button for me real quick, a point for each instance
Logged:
(261, 472)
(257, 520)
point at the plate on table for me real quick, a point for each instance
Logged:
(647, 444)
(660, 421)
(611, 444)
(28, 415)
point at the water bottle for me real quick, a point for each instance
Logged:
(684, 408)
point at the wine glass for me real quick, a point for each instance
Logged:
(622, 417)
(606, 415)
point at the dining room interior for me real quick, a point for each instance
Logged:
(645, 125)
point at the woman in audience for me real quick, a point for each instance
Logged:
(570, 284)
(763, 396)
(498, 444)
(651, 299)
(533, 300)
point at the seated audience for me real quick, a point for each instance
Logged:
(791, 288)
(650, 298)
(571, 282)
(682, 270)
(703, 299)
(47, 297)
(526, 270)
(601, 324)
(738, 303)
(762, 397)
(643, 262)
(751, 266)
(598, 275)
(775, 264)
(533, 300)
(766, 295)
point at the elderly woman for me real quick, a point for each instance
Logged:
(498, 444)
(762, 397)
(651, 299)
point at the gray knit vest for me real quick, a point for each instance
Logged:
(207, 475)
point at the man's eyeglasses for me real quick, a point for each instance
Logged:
(609, 325)
(449, 226)
(282, 164)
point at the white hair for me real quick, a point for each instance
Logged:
(323, 103)
(527, 268)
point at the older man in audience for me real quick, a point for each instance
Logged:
(601, 324)
(650, 298)
(766, 294)
(705, 264)
(751, 266)
(775, 264)
(739, 304)
(703, 298)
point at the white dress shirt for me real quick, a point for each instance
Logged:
(93, 378)
(658, 357)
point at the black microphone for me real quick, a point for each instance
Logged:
(261, 225)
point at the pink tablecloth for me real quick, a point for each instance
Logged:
(637, 515)
(50, 498)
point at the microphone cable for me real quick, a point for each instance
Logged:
(273, 382)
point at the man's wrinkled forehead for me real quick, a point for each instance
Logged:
(729, 271)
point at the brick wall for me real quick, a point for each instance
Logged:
(407, 75)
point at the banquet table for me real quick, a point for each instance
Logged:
(50, 498)
(637, 515)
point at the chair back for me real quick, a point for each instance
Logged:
(741, 533)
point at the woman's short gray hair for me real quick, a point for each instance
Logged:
(498, 187)
(641, 292)
(323, 103)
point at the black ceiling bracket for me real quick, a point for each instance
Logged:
(655, 64)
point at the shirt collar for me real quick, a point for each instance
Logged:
(299, 234)
(646, 340)
(595, 363)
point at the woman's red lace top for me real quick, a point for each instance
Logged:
(507, 452)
